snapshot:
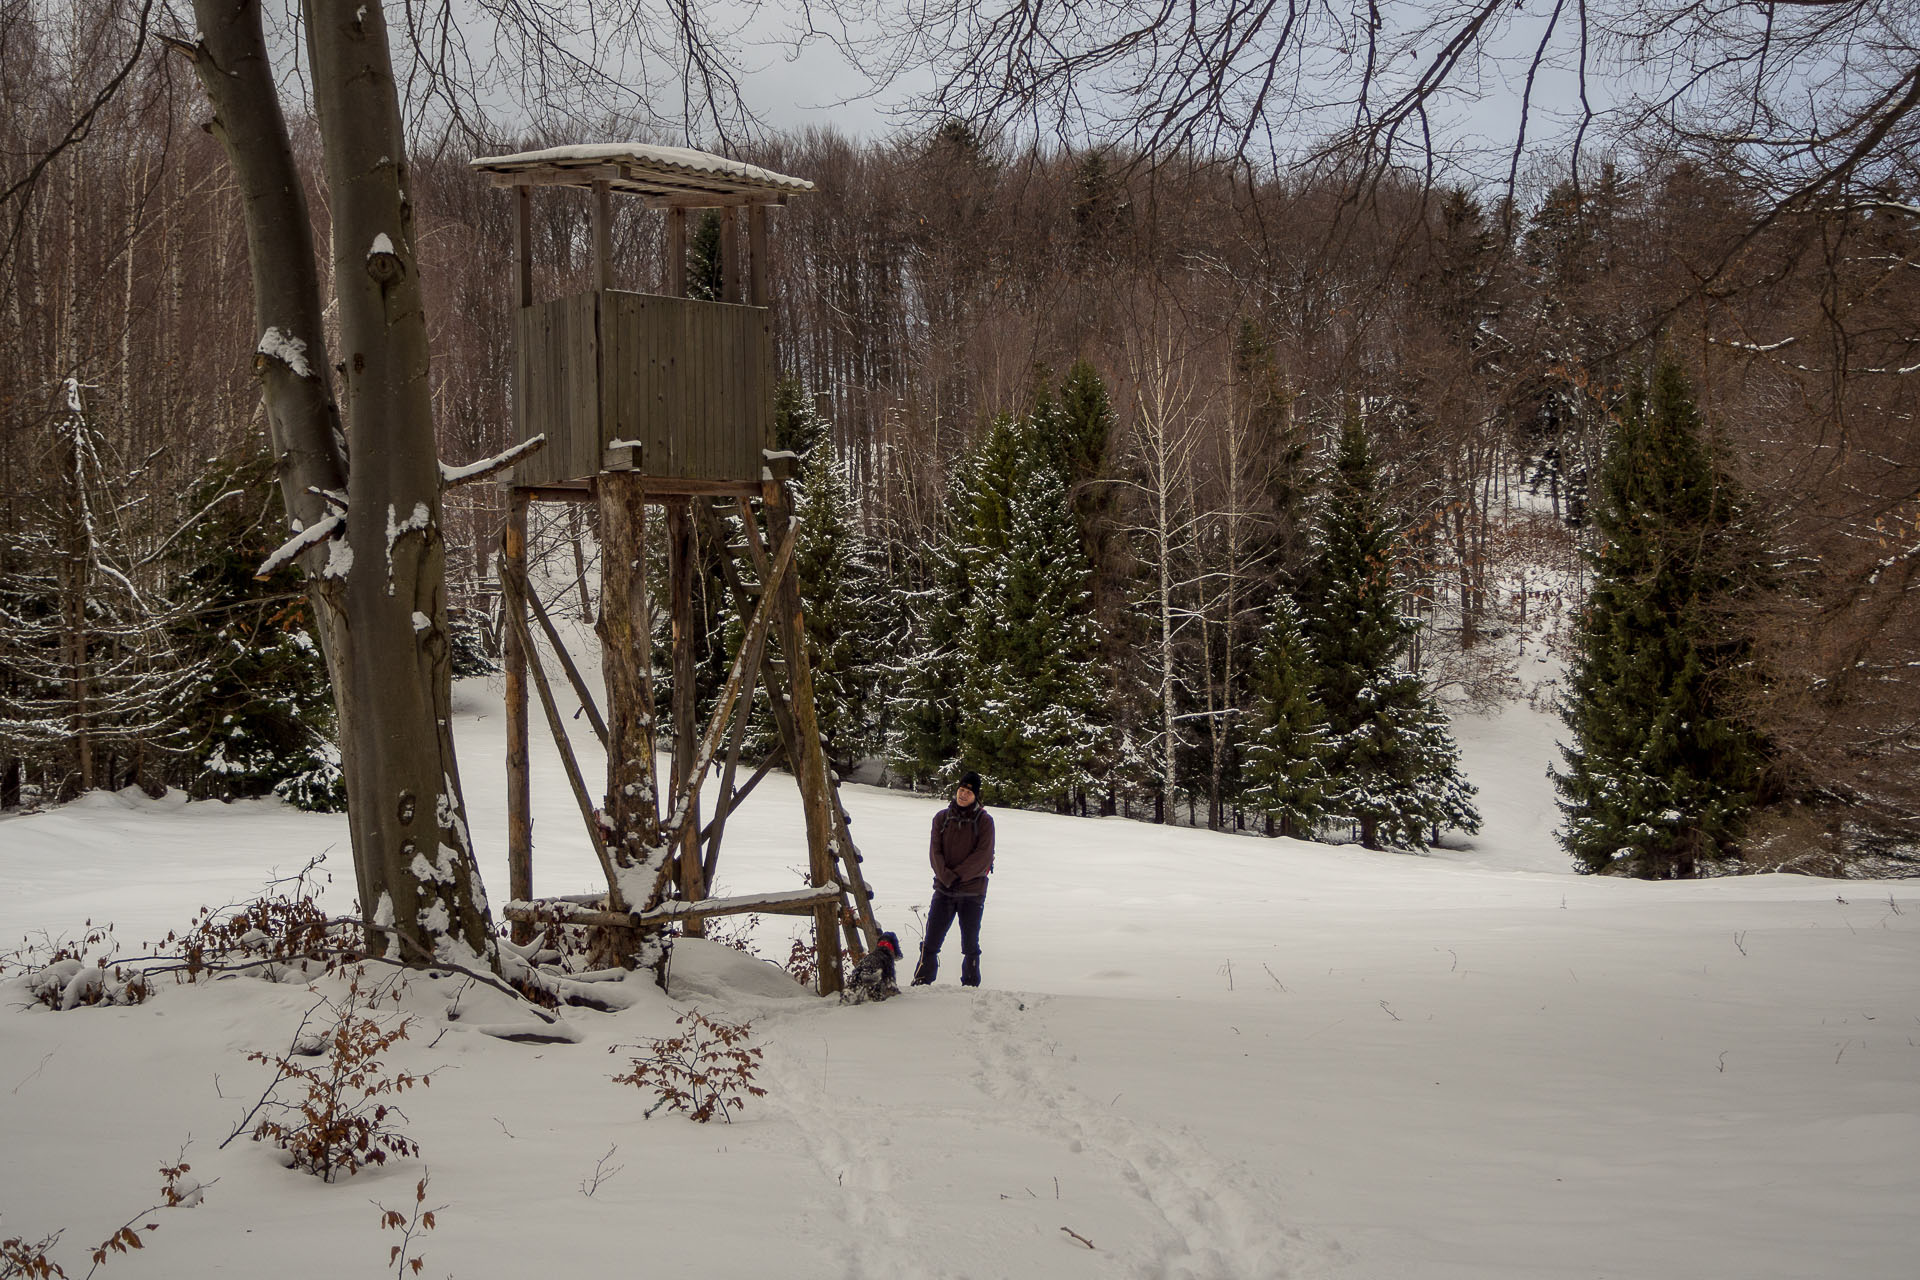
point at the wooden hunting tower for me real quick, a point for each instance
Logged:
(664, 400)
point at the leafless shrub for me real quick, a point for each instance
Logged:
(341, 1122)
(706, 1070)
(803, 962)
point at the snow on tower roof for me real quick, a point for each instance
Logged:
(662, 175)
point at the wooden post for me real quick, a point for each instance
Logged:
(862, 930)
(523, 243)
(513, 564)
(626, 662)
(680, 572)
(729, 255)
(513, 561)
(786, 697)
(676, 281)
(757, 250)
(575, 779)
(602, 235)
(804, 753)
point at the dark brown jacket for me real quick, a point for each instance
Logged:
(962, 849)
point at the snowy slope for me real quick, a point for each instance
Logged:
(1210, 1056)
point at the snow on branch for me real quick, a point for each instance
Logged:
(1877, 206)
(1757, 347)
(307, 537)
(451, 476)
(192, 520)
(333, 497)
(277, 344)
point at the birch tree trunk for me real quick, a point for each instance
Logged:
(1163, 439)
(378, 591)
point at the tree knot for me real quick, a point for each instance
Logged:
(383, 264)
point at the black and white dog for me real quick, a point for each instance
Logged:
(873, 977)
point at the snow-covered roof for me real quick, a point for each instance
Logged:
(664, 175)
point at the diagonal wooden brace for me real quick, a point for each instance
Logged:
(516, 590)
(680, 813)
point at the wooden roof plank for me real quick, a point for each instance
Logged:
(667, 174)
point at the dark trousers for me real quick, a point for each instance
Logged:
(946, 908)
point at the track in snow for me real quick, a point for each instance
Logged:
(1212, 1221)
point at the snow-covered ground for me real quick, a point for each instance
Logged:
(1209, 1056)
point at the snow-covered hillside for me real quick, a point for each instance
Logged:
(1209, 1056)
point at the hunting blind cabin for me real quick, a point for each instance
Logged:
(659, 400)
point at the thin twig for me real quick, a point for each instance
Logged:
(279, 1074)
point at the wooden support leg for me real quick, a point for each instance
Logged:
(804, 751)
(786, 697)
(558, 727)
(680, 569)
(513, 565)
(789, 695)
(626, 655)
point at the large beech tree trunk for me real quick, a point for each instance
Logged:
(378, 582)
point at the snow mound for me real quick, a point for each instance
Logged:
(717, 972)
(126, 799)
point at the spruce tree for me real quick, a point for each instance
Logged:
(1443, 796)
(1286, 732)
(469, 651)
(1031, 700)
(925, 710)
(978, 524)
(837, 595)
(1394, 765)
(797, 426)
(1087, 430)
(260, 719)
(706, 279)
(1659, 777)
(1002, 459)
(1002, 672)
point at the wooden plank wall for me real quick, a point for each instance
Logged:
(692, 380)
(555, 374)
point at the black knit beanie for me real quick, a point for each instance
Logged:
(971, 781)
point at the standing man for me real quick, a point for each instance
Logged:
(962, 857)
